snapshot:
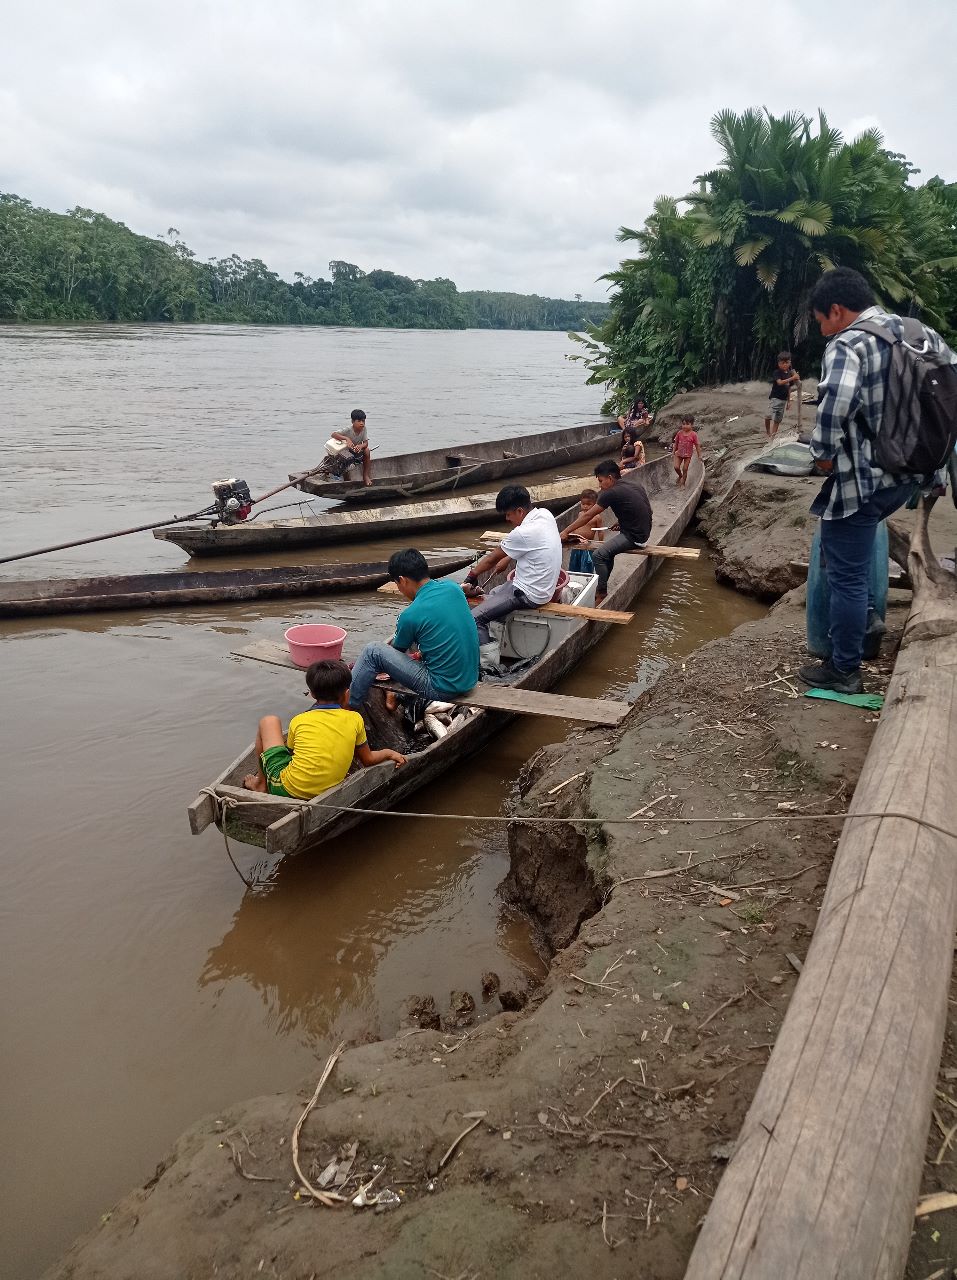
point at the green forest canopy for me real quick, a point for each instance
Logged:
(722, 276)
(82, 265)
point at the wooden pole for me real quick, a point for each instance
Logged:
(144, 528)
(825, 1175)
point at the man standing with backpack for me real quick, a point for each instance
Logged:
(886, 424)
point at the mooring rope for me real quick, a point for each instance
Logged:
(539, 820)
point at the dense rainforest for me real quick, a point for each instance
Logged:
(82, 265)
(722, 275)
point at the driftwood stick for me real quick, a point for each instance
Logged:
(330, 1199)
(604, 1094)
(825, 1175)
(477, 1118)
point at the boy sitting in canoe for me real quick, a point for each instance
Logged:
(357, 438)
(321, 744)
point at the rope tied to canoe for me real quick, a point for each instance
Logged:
(225, 803)
(222, 806)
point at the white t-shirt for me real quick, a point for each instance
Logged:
(536, 548)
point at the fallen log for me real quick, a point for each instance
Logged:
(825, 1175)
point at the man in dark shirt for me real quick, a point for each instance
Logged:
(629, 504)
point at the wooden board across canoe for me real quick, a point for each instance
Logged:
(288, 826)
(33, 597)
(360, 525)
(408, 475)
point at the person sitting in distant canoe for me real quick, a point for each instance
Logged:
(437, 626)
(536, 548)
(630, 438)
(629, 459)
(357, 438)
(637, 417)
(321, 744)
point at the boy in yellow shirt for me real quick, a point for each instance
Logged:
(321, 744)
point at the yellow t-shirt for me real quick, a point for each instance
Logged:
(323, 742)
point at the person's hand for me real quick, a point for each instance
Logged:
(824, 464)
(397, 756)
(471, 590)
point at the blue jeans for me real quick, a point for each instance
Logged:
(382, 657)
(848, 546)
(498, 604)
(603, 557)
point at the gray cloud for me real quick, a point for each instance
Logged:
(500, 144)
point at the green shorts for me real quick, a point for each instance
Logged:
(274, 760)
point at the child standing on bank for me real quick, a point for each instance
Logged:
(783, 383)
(683, 448)
(321, 744)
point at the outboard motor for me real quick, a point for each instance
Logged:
(233, 500)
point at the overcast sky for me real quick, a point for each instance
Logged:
(500, 144)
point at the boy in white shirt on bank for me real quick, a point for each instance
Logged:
(536, 547)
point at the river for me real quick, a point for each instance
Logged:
(145, 987)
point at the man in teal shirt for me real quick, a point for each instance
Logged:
(438, 624)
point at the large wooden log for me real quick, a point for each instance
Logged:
(826, 1171)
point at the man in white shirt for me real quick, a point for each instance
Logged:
(536, 547)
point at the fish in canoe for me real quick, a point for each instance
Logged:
(26, 597)
(363, 524)
(409, 475)
(286, 826)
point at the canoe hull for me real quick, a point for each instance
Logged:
(354, 526)
(413, 474)
(43, 597)
(282, 827)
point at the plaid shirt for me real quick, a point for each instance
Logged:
(852, 381)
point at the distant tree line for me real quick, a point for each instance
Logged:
(722, 275)
(82, 265)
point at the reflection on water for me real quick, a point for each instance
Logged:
(143, 986)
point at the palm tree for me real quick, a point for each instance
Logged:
(790, 203)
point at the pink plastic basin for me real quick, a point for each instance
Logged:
(313, 641)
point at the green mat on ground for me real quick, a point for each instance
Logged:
(871, 701)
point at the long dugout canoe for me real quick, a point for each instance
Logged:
(287, 826)
(408, 475)
(363, 524)
(33, 597)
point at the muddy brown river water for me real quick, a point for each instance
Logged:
(143, 986)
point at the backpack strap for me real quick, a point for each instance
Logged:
(877, 330)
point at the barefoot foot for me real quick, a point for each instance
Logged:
(253, 782)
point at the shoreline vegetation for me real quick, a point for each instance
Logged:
(83, 266)
(722, 275)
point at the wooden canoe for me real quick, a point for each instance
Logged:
(32, 597)
(287, 826)
(408, 475)
(363, 524)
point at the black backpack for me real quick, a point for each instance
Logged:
(919, 424)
